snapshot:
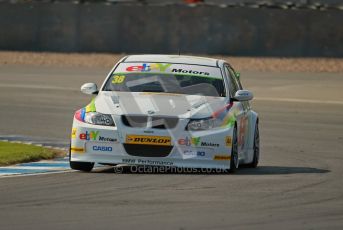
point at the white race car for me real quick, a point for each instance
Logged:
(167, 110)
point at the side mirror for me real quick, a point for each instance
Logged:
(243, 95)
(89, 88)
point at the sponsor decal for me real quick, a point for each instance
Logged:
(196, 141)
(128, 161)
(94, 136)
(148, 67)
(228, 141)
(73, 133)
(77, 150)
(194, 153)
(189, 141)
(147, 162)
(148, 140)
(148, 131)
(209, 144)
(201, 153)
(91, 106)
(102, 148)
(242, 128)
(154, 162)
(222, 158)
(108, 139)
(186, 141)
(224, 114)
(190, 72)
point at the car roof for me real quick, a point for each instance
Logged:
(179, 59)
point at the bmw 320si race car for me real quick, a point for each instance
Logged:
(166, 110)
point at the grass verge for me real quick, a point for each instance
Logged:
(13, 153)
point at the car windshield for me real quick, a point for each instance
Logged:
(166, 78)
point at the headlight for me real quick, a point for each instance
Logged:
(203, 124)
(99, 119)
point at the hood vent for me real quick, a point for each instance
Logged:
(155, 122)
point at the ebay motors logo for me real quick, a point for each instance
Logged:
(189, 141)
(148, 67)
(196, 141)
(92, 135)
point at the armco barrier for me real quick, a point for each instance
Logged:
(118, 28)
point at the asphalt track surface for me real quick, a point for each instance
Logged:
(298, 184)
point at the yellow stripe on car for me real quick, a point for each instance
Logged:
(222, 157)
(77, 150)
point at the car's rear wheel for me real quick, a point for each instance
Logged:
(256, 157)
(234, 161)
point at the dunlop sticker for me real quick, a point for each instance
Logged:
(148, 140)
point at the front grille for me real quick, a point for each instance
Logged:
(147, 150)
(157, 122)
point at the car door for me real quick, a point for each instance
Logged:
(240, 110)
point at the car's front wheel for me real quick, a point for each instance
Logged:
(81, 166)
(256, 156)
(234, 161)
(78, 165)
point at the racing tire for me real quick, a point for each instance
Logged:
(81, 166)
(256, 157)
(234, 161)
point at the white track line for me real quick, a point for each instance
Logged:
(36, 174)
(33, 168)
(3, 85)
(299, 100)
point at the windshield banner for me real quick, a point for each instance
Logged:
(169, 68)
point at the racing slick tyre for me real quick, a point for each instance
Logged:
(81, 166)
(256, 158)
(234, 162)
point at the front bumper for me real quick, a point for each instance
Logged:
(158, 147)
